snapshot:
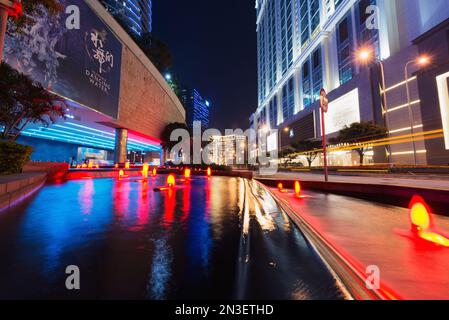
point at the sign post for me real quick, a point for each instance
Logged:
(324, 104)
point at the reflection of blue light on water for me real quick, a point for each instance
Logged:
(160, 269)
(199, 234)
(67, 216)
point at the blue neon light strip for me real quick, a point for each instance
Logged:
(155, 147)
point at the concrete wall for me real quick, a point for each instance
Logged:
(144, 106)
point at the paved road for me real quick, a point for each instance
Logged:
(425, 182)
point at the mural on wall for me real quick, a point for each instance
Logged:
(82, 64)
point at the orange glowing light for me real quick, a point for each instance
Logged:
(422, 224)
(145, 170)
(209, 171)
(419, 216)
(187, 173)
(297, 188)
(154, 171)
(97, 166)
(171, 181)
(78, 166)
(90, 165)
(280, 186)
(121, 173)
(434, 238)
(84, 166)
(116, 165)
(127, 165)
(423, 60)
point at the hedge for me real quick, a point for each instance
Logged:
(13, 156)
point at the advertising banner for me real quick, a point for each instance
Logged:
(74, 55)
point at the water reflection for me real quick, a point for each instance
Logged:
(131, 242)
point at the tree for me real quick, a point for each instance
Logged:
(361, 133)
(286, 155)
(166, 142)
(156, 50)
(24, 101)
(53, 7)
(309, 148)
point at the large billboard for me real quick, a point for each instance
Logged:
(342, 112)
(80, 62)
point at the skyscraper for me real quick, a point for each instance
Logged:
(306, 45)
(197, 108)
(136, 14)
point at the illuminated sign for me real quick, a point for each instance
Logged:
(82, 64)
(443, 95)
(342, 112)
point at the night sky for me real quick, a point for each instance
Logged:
(215, 51)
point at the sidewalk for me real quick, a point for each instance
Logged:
(16, 187)
(368, 234)
(432, 182)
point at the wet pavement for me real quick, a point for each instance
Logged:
(367, 234)
(217, 238)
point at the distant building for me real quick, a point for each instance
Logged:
(228, 150)
(136, 14)
(197, 108)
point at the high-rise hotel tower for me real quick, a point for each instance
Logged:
(345, 47)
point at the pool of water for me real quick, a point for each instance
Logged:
(217, 238)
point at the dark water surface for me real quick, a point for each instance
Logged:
(218, 238)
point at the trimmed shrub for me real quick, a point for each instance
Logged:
(13, 156)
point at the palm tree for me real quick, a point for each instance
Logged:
(24, 101)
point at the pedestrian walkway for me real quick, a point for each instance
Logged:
(368, 234)
(424, 182)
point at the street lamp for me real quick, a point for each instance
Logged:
(421, 61)
(366, 55)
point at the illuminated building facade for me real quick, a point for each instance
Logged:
(137, 14)
(306, 45)
(197, 108)
(228, 150)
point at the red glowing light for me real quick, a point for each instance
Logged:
(187, 173)
(171, 181)
(422, 223)
(209, 171)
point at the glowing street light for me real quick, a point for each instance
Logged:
(421, 61)
(365, 55)
(168, 76)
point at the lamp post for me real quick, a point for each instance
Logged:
(421, 61)
(324, 106)
(7, 8)
(365, 55)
